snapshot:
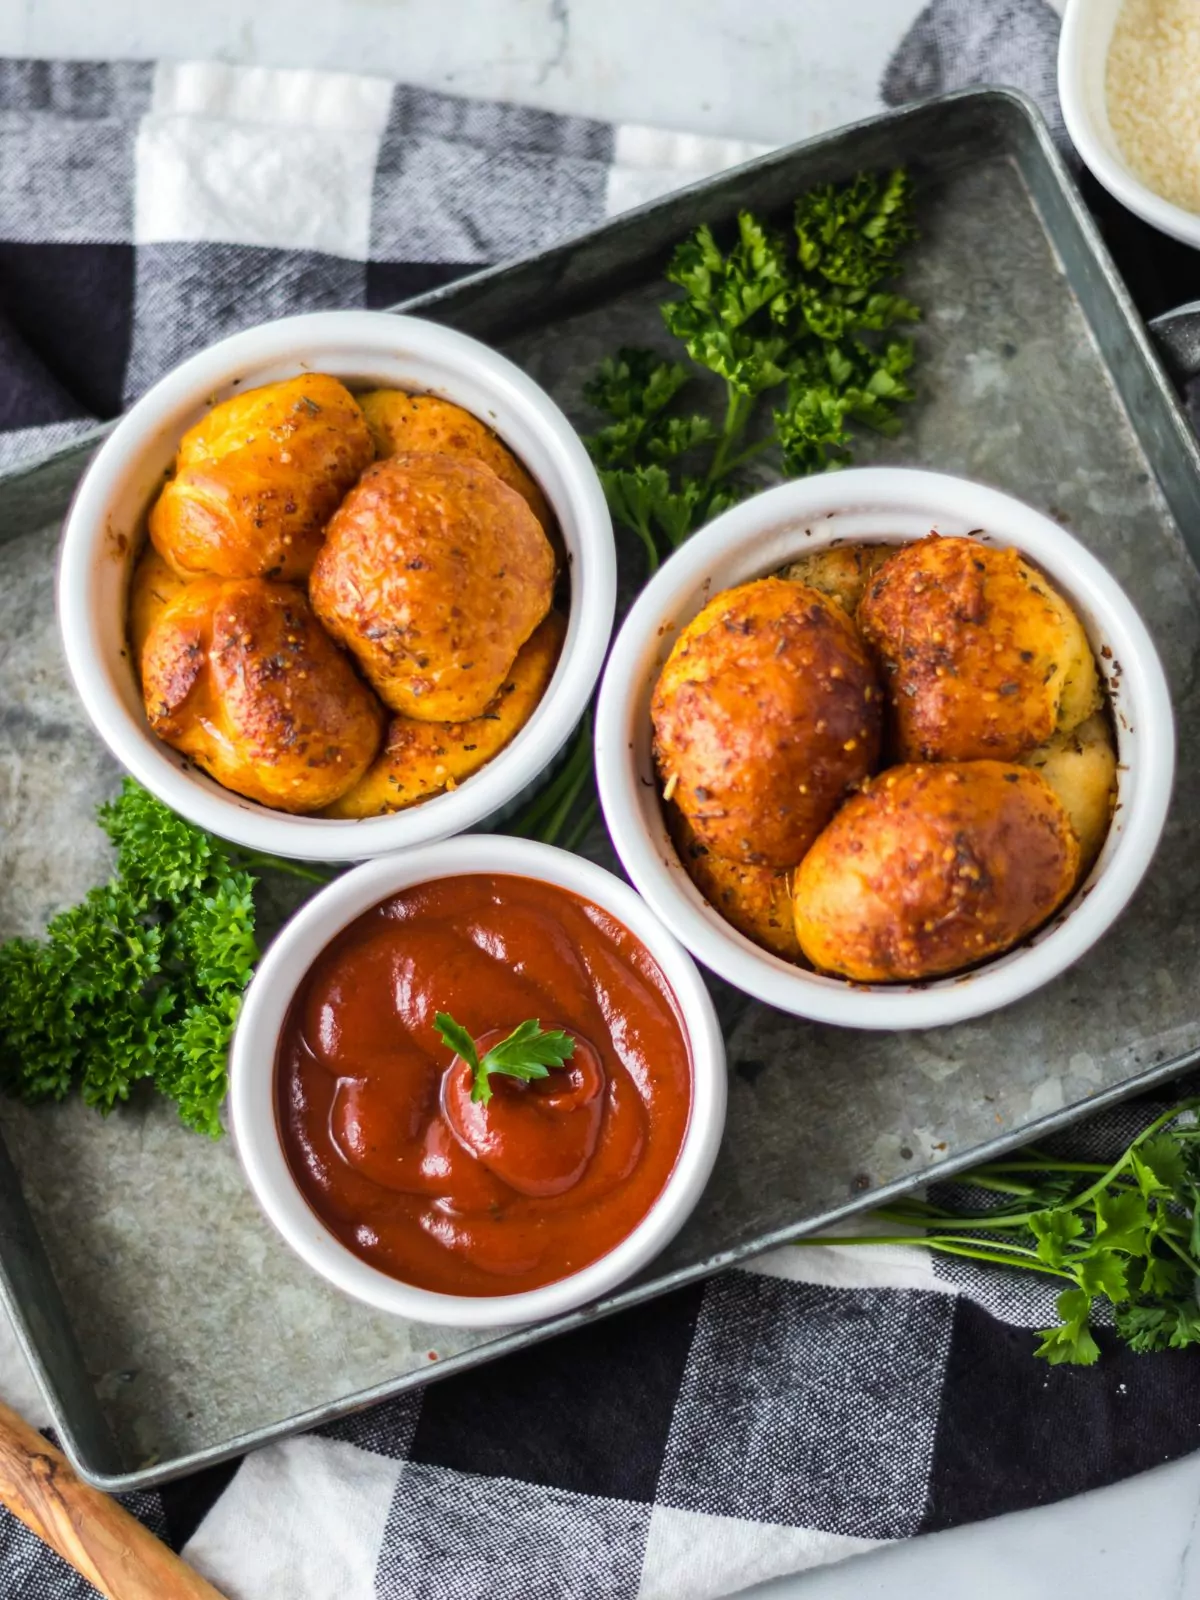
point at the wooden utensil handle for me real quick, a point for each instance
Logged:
(100, 1539)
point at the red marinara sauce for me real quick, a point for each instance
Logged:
(376, 1117)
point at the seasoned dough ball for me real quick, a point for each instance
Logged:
(757, 901)
(1081, 768)
(401, 423)
(434, 573)
(933, 868)
(152, 587)
(239, 675)
(982, 657)
(421, 759)
(766, 713)
(840, 571)
(259, 477)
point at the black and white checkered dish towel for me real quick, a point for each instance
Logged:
(800, 1409)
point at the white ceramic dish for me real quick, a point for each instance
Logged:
(104, 531)
(885, 505)
(1087, 32)
(252, 1079)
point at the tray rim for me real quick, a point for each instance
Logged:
(150, 1476)
(981, 94)
(481, 1355)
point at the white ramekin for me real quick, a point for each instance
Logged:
(885, 505)
(1087, 32)
(252, 1078)
(105, 526)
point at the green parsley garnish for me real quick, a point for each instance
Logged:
(805, 319)
(142, 979)
(566, 800)
(527, 1053)
(1128, 1233)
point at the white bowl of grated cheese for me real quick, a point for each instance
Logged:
(1127, 76)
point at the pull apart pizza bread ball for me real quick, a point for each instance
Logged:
(933, 868)
(421, 759)
(401, 423)
(982, 657)
(433, 574)
(239, 675)
(151, 589)
(258, 478)
(842, 571)
(765, 715)
(1081, 768)
(757, 901)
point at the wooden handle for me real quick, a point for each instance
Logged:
(112, 1550)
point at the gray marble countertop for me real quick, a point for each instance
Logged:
(774, 72)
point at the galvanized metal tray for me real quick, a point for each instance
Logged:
(167, 1323)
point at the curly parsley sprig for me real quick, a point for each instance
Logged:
(804, 319)
(142, 979)
(1126, 1232)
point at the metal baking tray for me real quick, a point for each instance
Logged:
(168, 1325)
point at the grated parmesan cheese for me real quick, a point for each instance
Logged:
(1153, 73)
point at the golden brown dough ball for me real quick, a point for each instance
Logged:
(258, 478)
(1081, 768)
(421, 759)
(765, 715)
(433, 574)
(239, 675)
(840, 571)
(982, 658)
(933, 868)
(151, 588)
(757, 901)
(401, 423)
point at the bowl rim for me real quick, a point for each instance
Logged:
(253, 1070)
(303, 340)
(676, 593)
(1078, 43)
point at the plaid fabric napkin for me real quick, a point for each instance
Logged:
(147, 211)
(804, 1408)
